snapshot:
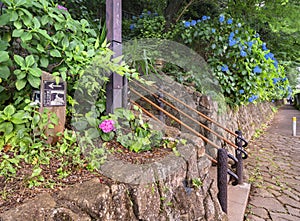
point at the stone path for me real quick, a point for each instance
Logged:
(274, 170)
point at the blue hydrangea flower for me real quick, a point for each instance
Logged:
(284, 79)
(208, 17)
(155, 14)
(133, 17)
(132, 26)
(193, 22)
(221, 19)
(204, 18)
(199, 20)
(187, 24)
(234, 65)
(257, 70)
(213, 30)
(224, 68)
(252, 98)
(264, 47)
(256, 35)
(229, 21)
(270, 56)
(275, 80)
(231, 35)
(236, 31)
(239, 25)
(149, 12)
(232, 42)
(141, 16)
(250, 43)
(243, 53)
(242, 91)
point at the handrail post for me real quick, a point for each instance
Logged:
(222, 178)
(239, 152)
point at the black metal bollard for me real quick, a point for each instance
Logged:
(240, 155)
(222, 178)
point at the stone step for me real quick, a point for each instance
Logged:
(237, 201)
(237, 198)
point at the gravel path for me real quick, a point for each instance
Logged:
(274, 170)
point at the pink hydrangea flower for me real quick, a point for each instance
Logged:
(107, 126)
(60, 7)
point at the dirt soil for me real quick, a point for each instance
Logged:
(15, 191)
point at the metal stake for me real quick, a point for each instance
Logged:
(222, 178)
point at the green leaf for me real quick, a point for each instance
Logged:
(18, 118)
(9, 110)
(6, 127)
(44, 62)
(20, 74)
(19, 60)
(20, 84)
(29, 60)
(36, 72)
(93, 133)
(36, 172)
(55, 53)
(4, 56)
(34, 81)
(26, 36)
(44, 33)
(36, 23)
(17, 33)
(4, 19)
(2, 88)
(4, 72)
(40, 48)
(18, 24)
(14, 16)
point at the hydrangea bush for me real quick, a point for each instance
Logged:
(246, 69)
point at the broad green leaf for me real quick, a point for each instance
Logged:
(93, 133)
(14, 16)
(4, 56)
(45, 19)
(40, 48)
(6, 127)
(44, 62)
(1, 88)
(44, 33)
(9, 110)
(17, 33)
(4, 72)
(18, 118)
(29, 60)
(65, 42)
(4, 19)
(19, 60)
(20, 74)
(26, 36)
(34, 81)
(36, 72)
(36, 23)
(20, 2)
(55, 53)
(20, 84)
(18, 24)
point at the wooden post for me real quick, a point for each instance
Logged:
(116, 89)
(53, 98)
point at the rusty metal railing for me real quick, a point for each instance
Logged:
(222, 154)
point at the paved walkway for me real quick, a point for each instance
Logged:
(274, 170)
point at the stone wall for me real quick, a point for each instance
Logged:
(162, 190)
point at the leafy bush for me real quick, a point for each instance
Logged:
(130, 131)
(240, 60)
